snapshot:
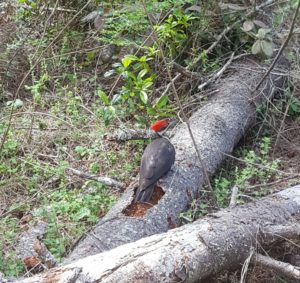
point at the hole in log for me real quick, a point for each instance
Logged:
(139, 209)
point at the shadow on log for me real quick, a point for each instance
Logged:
(217, 128)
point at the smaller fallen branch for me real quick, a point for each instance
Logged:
(283, 268)
(127, 134)
(104, 180)
(248, 188)
(58, 9)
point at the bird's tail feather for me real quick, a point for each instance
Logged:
(144, 195)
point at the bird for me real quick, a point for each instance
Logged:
(157, 160)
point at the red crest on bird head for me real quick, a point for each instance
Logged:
(160, 125)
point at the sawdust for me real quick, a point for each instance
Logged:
(139, 209)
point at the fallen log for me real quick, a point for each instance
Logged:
(218, 242)
(217, 127)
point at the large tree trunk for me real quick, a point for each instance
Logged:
(217, 128)
(218, 242)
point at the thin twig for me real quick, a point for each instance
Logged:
(170, 83)
(59, 9)
(259, 165)
(282, 123)
(246, 266)
(272, 183)
(29, 132)
(284, 268)
(127, 134)
(218, 74)
(104, 180)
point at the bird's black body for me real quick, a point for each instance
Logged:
(157, 160)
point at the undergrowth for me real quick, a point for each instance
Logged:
(250, 168)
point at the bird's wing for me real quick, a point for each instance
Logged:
(152, 165)
(148, 166)
(156, 161)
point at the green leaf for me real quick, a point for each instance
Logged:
(18, 103)
(161, 102)
(108, 73)
(147, 85)
(112, 110)
(262, 32)
(142, 73)
(103, 97)
(82, 213)
(90, 56)
(33, 5)
(126, 61)
(256, 48)
(144, 97)
(267, 48)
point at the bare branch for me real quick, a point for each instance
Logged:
(126, 134)
(104, 180)
(284, 268)
(218, 74)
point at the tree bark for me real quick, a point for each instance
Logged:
(218, 242)
(217, 127)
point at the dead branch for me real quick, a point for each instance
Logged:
(283, 268)
(218, 74)
(103, 180)
(126, 134)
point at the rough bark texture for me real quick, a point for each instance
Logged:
(217, 128)
(192, 252)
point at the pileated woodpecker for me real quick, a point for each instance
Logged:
(157, 160)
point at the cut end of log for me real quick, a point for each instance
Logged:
(139, 209)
